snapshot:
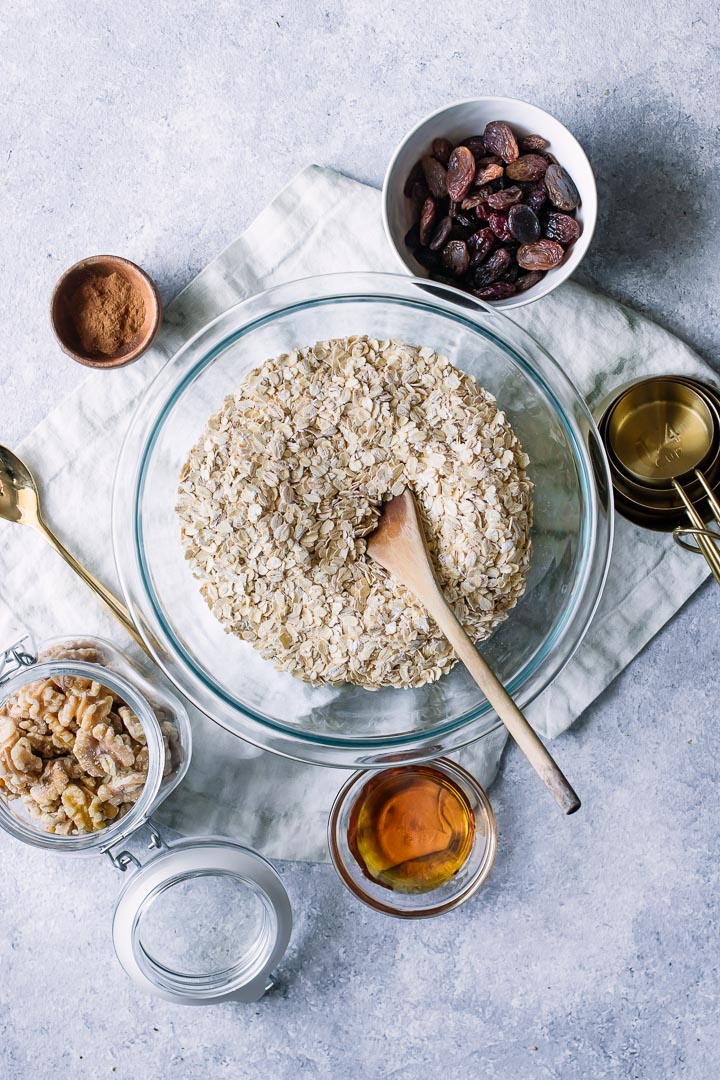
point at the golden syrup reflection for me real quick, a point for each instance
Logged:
(411, 829)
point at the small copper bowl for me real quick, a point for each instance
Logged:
(64, 327)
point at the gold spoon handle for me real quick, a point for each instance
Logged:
(528, 741)
(708, 548)
(118, 609)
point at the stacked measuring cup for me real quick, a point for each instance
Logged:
(662, 437)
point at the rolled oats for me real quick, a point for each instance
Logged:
(278, 495)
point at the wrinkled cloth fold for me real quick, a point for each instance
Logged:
(322, 222)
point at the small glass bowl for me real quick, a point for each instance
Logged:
(406, 905)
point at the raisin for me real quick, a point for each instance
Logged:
(541, 255)
(523, 224)
(511, 274)
(472, 201)
(492, 269)
(483, 210)
(489, 159)
(453, 208)
(537, 196)
(532, 143)
(412, 236)
(466, 222)
(499, 139)
(427, 258)
(501, 290)
(482, 189)
(501, 200)
(415, 174)
(441, 234)
(498, 222)
(455, 258)
(526, 281)
(435, 176)
(479, 245)
(488, 173)
(427, 217)
(460, 173)
(527, 167)
(563, 228)
(442, 149)
(561, 189)
(476, 145)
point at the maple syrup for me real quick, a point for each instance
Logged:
(411, 829)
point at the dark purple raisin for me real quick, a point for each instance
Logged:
(460, 173)
(501, 200)
(501, 290)
(466, 222)
(435, 176)
(479, 245)
(499, 139)
(483, 210)
(441, 234)
(427, 218)
(489, 159)
(526, 281)
(532, 143)
(527, 167)
(511, 274)
(476, 145)
(412, 236)
(453, 208)
(537, 196)
(563, 228)
(455, 257)
(427, 258)
(498, 222)
(541, 255)
(561, 189)
(492, 269)
(482, 190)
(523, 224)
(442, 149)
(415, 174)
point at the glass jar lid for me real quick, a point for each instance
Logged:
(204, 921)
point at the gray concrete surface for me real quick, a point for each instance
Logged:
(158, 132)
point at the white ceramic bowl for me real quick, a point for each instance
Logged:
(461, 120)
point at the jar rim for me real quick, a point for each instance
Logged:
(103, 839)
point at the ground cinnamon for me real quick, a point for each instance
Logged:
(107, 312)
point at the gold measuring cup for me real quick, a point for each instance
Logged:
(663, 441)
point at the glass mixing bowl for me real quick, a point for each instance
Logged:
(347, 725)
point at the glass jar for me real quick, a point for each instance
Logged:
(200, 919)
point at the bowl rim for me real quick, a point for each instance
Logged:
(542, 288)
(214, 338)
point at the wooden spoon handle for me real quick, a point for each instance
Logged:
(531, 746)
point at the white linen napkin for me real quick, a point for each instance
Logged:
(321, 222)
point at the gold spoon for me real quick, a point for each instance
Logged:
(20, 502)
(399, 545)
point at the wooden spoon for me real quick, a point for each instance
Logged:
(399, 545)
